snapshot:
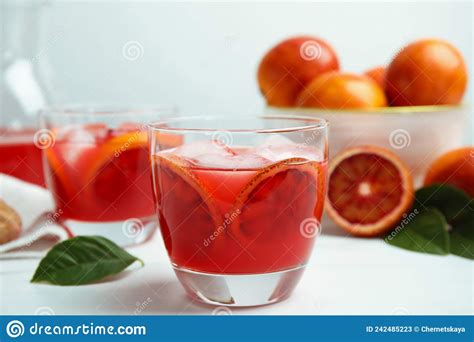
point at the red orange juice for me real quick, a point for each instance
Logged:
(238, 210)
(97, 173)
(20, 157)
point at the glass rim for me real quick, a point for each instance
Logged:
(317, 124)
(78, 109)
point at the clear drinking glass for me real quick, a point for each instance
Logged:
(97, 167)
(239, 202)
(22, 88)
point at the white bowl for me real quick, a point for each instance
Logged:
(417, 134)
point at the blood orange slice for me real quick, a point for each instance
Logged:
(369, 190)
(118, 175)
(114, 147)
(272, 207)
(62, 189)
(187, 212)
(123, 151)
(70, 155)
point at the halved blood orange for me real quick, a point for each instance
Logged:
(273, 205)
(370, 189)
(187, 212)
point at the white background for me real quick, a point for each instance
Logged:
(203, 56)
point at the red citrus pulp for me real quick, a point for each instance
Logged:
(369, 190)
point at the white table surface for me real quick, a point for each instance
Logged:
(344, 276)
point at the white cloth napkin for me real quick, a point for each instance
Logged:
(27, 199)
(31, 202)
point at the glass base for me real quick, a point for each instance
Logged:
(239, 289)
(124, 233)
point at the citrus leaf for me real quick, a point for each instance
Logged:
(451, 201)
(82, 260)
(458, 209)
(462, 237)
(426, 233)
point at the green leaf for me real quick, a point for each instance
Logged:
(462, 237)
(82, 260)
(425, 231)
(451, 201)
(458, 210)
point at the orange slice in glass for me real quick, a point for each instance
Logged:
(67, 157)
(187, 212)
(370, 189)
(124, 151)
(277, 200)
(117, 145)
(118, 181)
(70, 155)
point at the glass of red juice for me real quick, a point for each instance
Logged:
(97, 167)
(239, 203)
(20, 154)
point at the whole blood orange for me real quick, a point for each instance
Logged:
(455, 167)
(426, 72)
(370, 189)
(335, 90)
(289, 66)
(377, 74)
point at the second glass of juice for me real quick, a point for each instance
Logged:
(97, 166)
(239, 203)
